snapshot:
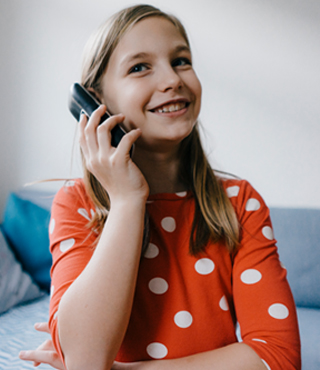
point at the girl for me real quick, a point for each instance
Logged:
(156, 258)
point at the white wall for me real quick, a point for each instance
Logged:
(259, 66)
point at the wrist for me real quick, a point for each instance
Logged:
(127, 204)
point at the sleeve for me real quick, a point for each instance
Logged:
(71, 244)
(263, 300)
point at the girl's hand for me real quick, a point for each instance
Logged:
(112, 167)
(45, 353)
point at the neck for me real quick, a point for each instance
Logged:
(161, 170)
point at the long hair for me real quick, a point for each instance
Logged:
(214, 217)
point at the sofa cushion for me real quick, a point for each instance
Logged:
(309, 323)
(298, 238)
(25, 226)
(16, 286)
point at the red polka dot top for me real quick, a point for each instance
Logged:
(185, 304)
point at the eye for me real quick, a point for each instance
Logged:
(138, 68)
(180, 62)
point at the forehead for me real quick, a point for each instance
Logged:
(150, 33)
(155, 24)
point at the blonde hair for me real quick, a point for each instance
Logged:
(214, 217)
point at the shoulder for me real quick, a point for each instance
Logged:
(72, 195)
(237, 188)
(72, 190)
(243, 196)
(72, 211)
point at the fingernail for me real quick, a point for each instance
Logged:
(82, 113)
(23, 354)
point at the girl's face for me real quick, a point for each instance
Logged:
(151, 81)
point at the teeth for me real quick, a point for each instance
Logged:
(171, 108)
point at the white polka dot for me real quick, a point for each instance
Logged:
(158, 286)
(70, 183)
(168, 224)
(252, 204)
(233, 191)
(278, 311)
(267, 232)
(267, 366)
(152, 251)
(66, 244)
(51, 290)
(224, 304)
(55, 315)
(204, 266)
(92, 212)
(251, 276)
(181, 194)
(183, 319)
(157, 350)
(83, 212)
(52, 225)
(259, 340)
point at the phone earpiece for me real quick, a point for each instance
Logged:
(81, 101)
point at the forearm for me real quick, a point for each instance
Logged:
(236, 356)
(95, 310)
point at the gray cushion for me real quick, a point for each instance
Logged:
(298, 234)
(309, 322)
(16, 286)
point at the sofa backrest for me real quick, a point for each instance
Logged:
(298, 238)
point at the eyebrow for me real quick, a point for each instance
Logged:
(131, 58)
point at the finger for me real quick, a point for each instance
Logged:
(90, 130)
(82, 124)
(46, 357)
(46, 346)
(42, 326)
(128, 140)
(104, 131)
(34, 355)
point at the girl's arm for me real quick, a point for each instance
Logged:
(94, 311)
(236, 356)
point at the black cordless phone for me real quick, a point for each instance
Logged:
(80, 99)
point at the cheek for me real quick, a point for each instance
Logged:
(199, 96)
(131, 102)
(110, 100)
(198, 89)
(195, 88)
(134, 99)
(127, 100)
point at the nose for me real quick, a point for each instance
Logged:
(169, 79)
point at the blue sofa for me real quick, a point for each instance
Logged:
(25, 263)
(298, 238)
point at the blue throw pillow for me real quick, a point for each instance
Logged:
(25, 225)
(15, 285)
(298, 234)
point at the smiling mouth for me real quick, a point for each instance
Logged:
(169, 108)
